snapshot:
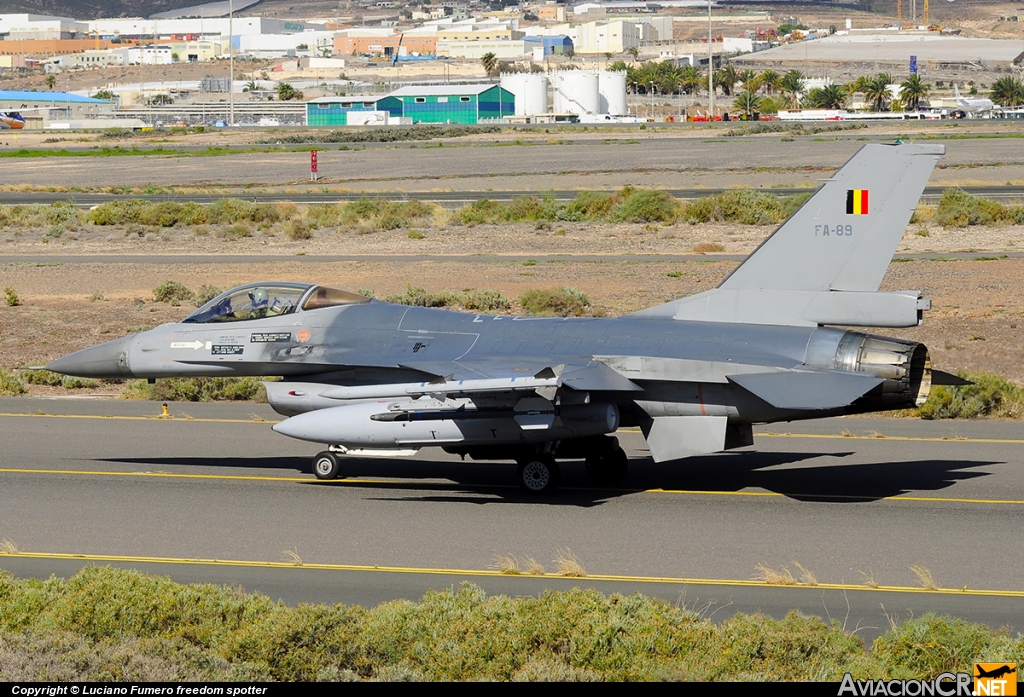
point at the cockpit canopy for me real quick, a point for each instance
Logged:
(270, 299)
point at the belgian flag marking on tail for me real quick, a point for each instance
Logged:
(856, 201)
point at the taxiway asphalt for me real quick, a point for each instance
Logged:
(213, 495)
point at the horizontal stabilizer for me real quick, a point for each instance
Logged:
(804, 389)
(797, 307)
(940, 377)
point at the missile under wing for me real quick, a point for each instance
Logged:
(695, 374)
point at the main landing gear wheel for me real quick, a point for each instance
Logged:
(326, 465)
(609, 466)
(538, 474)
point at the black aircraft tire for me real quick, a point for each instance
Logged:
(538, 474)
(608, 467)
(326, 466)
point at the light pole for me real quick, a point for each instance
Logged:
(231, 62)
(711, 71)
(636, 91)
(652, 100)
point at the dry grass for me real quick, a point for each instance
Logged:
(506, 564)
(7, 546)
(511, 565)
(533, 567)
(806, 577)
(924, 576)
(708, 248)
(293, 556)
(568, 564)
(869, 579)
(775, 577)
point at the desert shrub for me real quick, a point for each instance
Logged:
(120, 212)
(647, 206)
(235, 232)
(62, 213)
(11, 297)
(484, 300)
(325, 215)
(708, 248)
(957, 208)
(10, 384)
(234, 210)
(559, 302)
(90, 626)
(790, 204)
(744, 206)
(361, 209)
(419, 297)
(246, 389)
(391, 221)
(413, 210)
(930, 645)
(297, 230)
(990, 395)
(206, 293)
(524, 208)
(590, 205)
(172, 292)
(482, 212)
(170, 214)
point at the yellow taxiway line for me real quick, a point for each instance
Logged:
(496, 574)
(399, 483)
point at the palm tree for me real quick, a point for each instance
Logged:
(748, 102)
(792, 84)
(50, 81)
(726, 78)
(827, 97)
(877, 93)
(490, 63)
(770, 80)
(749, 80)
(691, 79)
(1007, 91)
(633, 52)
(912, 91)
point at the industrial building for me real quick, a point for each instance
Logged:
(466, 104)
(343, 111)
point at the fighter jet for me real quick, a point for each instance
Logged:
(771, 343)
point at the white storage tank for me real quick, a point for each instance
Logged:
(611, 86)
(575, 92)
(531, 91)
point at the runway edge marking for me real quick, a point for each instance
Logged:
(498, 574)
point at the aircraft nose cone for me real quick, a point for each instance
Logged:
(109, 360)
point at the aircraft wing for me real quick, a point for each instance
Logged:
(591, 376)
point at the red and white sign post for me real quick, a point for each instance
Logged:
(313, 176)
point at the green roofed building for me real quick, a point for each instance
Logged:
(466, 104)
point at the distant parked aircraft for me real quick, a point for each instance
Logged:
(11, 120)
(972, 104)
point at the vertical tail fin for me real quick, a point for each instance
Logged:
(844, 236)
(824, 264)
